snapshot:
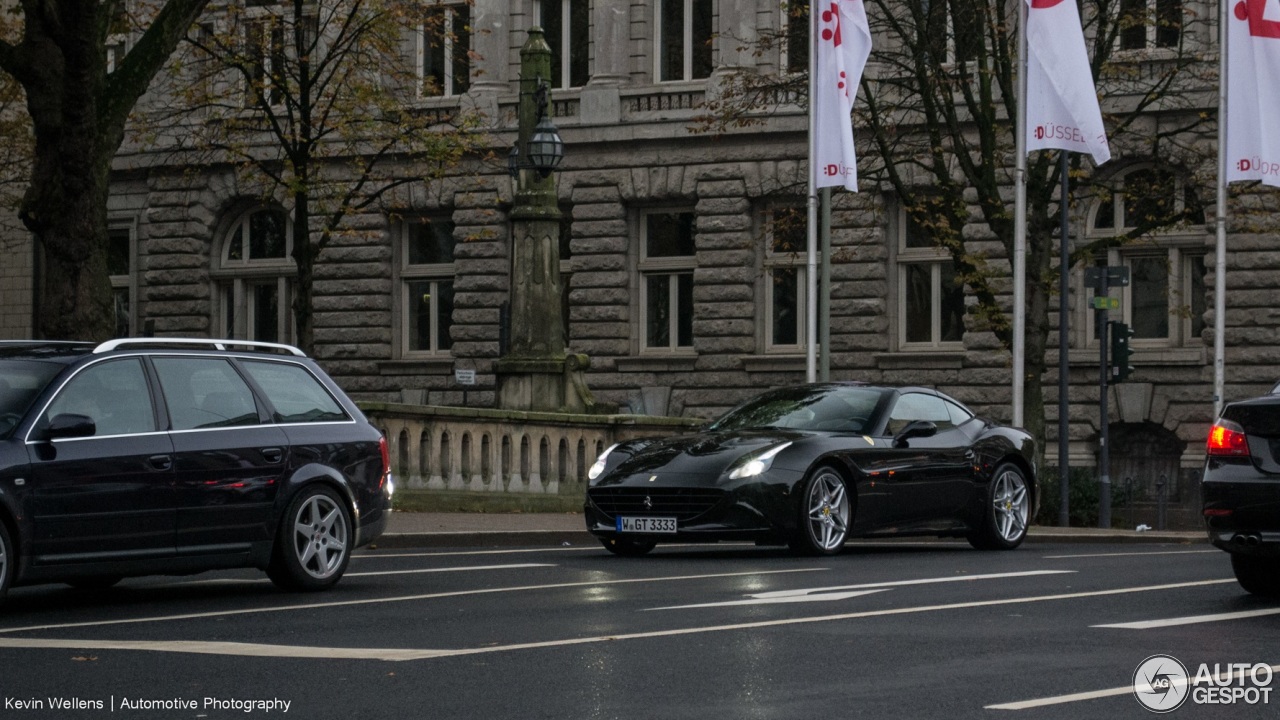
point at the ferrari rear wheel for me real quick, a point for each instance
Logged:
(1004, 519)
(7, 561)
(627, 548)
(825, 514)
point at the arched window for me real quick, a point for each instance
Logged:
(253, 277)
(1162, 223)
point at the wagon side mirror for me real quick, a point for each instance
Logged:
(915, 429)
(70, 425)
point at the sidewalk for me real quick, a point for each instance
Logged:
(410, 529)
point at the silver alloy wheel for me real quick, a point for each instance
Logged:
(320, 536)
(1009, 497)
(828, 513)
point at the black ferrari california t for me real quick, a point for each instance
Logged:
(813, 465)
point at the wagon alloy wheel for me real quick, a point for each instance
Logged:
(1004, 525)
(315, 542)
(826, 513)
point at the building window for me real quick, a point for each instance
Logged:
(426, 282)
(444, 51)
(254, 278)
(684, 31)
(264, 43)
(667, 261)
(567, 24)
(121, 249)
(795, 24)
(953, 30)
(1164, 303)
(785, 279)
(1146, 24)
(930, 298)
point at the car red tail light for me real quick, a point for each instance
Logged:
(386, 459)
(1228, 438)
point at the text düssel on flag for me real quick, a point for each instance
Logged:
(1062, 104)
(843, 42)
(1253, 101)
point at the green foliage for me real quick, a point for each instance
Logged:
(1082, 498)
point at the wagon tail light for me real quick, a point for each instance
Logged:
(1227, 439)
(386, 461)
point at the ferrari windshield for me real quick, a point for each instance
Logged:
(20, 382)
(838, 409)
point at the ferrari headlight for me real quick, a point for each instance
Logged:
(598, 467)
(753, 465)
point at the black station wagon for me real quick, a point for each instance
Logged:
(176, 456)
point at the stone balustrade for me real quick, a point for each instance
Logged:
(504, 451)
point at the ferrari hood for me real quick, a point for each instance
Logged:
(707, 455)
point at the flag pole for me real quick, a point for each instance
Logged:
(1220, 218)
(1020, 224)
(811, 241)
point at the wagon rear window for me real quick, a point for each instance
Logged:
(295, 393)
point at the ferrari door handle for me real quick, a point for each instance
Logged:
(161, 462)
(272, 455)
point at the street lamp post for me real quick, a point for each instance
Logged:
(536, 373)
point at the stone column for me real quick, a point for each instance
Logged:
(489, 40)
(600, 102)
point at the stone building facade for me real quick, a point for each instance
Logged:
(682, 283)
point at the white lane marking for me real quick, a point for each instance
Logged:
(1133, 554)
(223, 648)
(414, 654)
(1190, 620)
(787, 596)
(404, 598)
(471, 568)
(375, 554)
(1081, 696)
(844, 592)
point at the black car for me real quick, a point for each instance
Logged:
(175, 456)
(815, 464)
(1241, 491)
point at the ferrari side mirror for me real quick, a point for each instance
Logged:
(915, 429)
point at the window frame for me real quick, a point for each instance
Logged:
(562, 65)
(1178, 249)
(1152, 19)
(450, 56)
(904, 259)
(773, 261)
(433, 273)
(234, 280)
(127, 281)
(688, 41)
(671, 266)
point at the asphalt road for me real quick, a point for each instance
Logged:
(892, 630)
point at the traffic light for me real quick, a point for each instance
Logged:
(1121, 352)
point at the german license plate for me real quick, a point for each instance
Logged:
(647, 525)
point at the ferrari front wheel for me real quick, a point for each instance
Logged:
(1003, 525)
(825, 514)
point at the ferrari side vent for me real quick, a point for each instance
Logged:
(682, 503)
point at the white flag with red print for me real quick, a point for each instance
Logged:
(1062, 104)
(1253, 100)
(843, 43)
